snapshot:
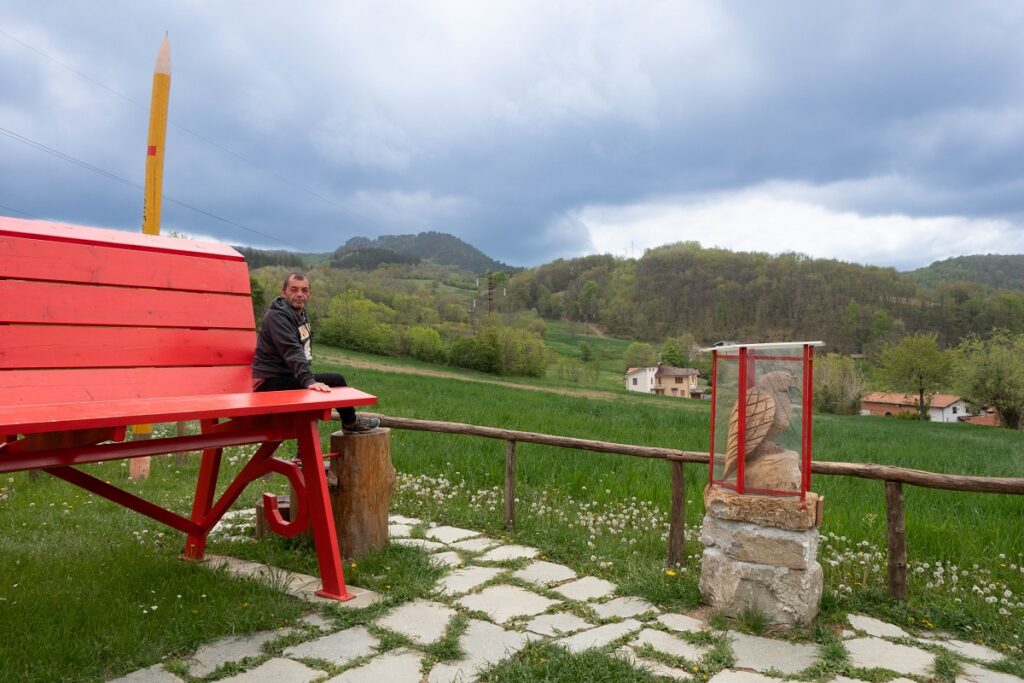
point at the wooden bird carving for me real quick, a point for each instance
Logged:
(768, 412)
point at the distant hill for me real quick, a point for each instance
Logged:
(369, 258)
(439, 247)
(997, 271)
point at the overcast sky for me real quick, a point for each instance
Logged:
(888, 133)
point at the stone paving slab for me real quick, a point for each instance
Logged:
(421, 543)
(301, 586)
(337, 648)
(277, 670)
(876, 627)
(683, 623)
(844, 679)
(761, 654)
(875, 652)
(628, 606)
(653, 666)
(485, 644)
(422, 621)
(397, 666)
(669, 644)
(232, 649)
(557, 624)
(975, 674)
(587, 588)
(399, 530)
(402, 519)
(733, 676)
(464, 580)
(600, 636)
(969, 650)
(361, 597)
(448, 558)
(153, 674)
(476, 545)
(545, 573)
(509, 552)
(450, 534)
(502, 603)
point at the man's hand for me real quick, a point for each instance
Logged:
(318, 386)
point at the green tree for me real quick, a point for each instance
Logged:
(424, 343)
(586, 353)
(671, 355)
(838, 385)
(639, 355)
(917, 365)
(990, 372)
(259, 301)
(355, 322)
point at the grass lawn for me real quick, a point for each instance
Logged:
(79, 577)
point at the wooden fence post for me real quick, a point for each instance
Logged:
(677, 515)
(510, 484)
(897, 533)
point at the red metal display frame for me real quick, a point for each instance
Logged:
(745, 380)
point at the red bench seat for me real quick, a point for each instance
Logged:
(103, 329)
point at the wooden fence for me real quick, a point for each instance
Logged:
(894, 478)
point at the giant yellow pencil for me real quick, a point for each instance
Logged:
(156, 139)
(139, 467)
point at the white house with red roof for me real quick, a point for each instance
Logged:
(941, 407)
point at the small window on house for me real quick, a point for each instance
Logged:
(679, 380)
(954, 410)
(634, 381)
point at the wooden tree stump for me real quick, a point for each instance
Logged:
(362, 481)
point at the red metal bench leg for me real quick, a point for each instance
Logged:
(328, 553)
(206, 487)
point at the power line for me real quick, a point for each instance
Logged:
(199, 136)
(113, 176)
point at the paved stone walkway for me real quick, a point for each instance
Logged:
(503, 617)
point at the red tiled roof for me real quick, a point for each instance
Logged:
(986, 419)
(937, 400)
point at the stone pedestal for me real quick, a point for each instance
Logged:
(761, 555)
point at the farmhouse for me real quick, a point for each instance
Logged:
(663, 380)
(941, 408)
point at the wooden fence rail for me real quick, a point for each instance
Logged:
(894, 478)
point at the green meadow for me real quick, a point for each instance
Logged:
(89, 590)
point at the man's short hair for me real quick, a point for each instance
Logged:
(294, 275)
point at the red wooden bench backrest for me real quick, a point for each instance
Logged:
(88, 314)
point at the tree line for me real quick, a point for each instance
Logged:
(715, 294)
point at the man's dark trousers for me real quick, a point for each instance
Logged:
(331, 379)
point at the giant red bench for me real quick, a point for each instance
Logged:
(103, 329)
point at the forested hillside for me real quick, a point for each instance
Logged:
(717, 294)
(685, 289)
(998, 271)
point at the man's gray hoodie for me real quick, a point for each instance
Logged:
(283, 344)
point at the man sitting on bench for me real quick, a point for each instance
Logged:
(284, 351)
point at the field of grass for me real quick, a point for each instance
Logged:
(74, 564)
(564, 338)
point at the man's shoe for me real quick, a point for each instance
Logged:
(361, 424)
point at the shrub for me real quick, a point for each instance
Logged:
(424, 343)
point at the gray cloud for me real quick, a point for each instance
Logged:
(507, 124)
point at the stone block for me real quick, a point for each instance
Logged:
(764, 545)
(780, 512)
(783, 595)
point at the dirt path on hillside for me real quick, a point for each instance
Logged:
(426, 372)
